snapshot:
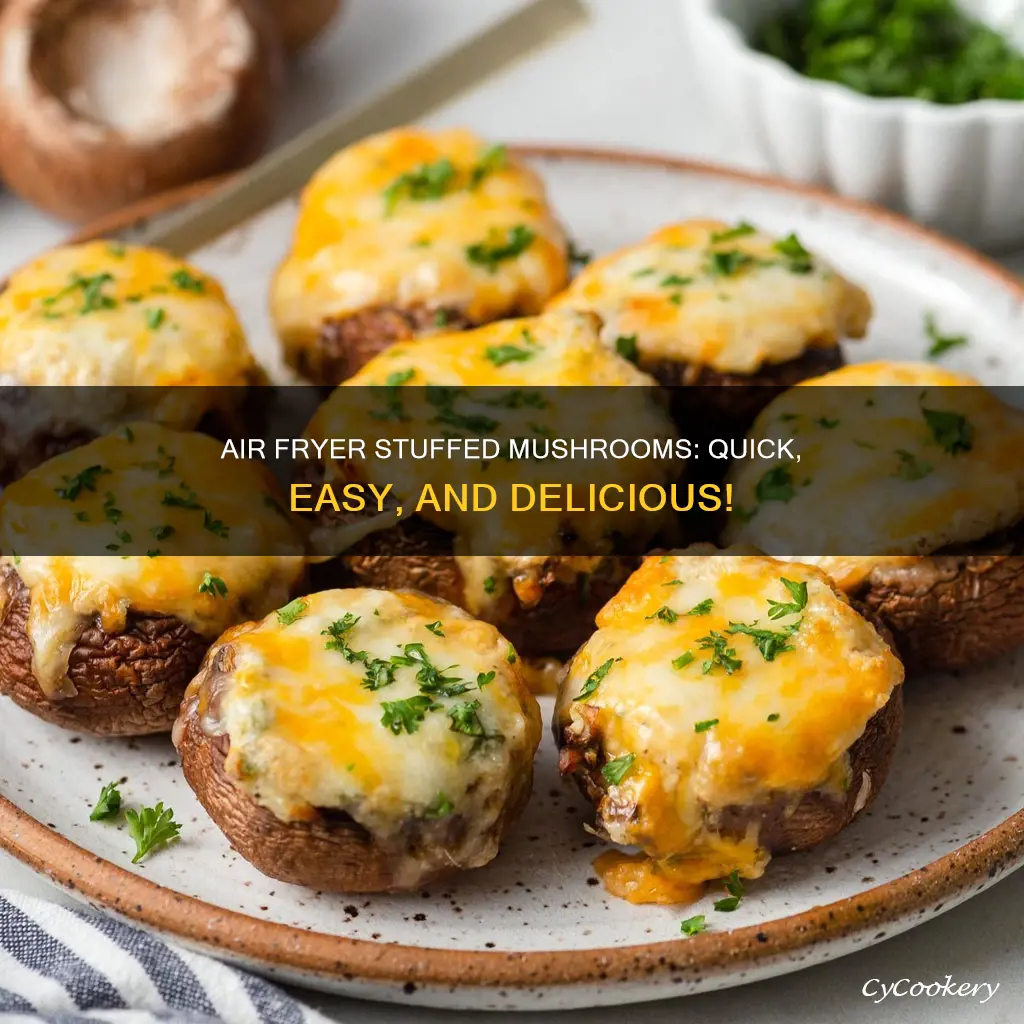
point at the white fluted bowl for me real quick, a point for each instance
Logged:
(959, 169)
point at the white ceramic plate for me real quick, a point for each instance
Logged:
(535, 930)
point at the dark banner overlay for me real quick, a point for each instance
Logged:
(437, 470)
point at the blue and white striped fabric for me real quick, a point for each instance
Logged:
(69, 966)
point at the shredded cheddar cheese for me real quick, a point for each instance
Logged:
(414, 218)
(714, 683)
(710, 294)
(111, 494)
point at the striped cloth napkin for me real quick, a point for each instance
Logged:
(69, 966)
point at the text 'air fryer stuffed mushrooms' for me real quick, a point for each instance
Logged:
(705, 303)
(409, 233)
(539, 575)
(729, 707)
(110, 316)
(107, 643)
(910, 493)
(361, 741)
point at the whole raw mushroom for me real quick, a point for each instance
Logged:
(105, 102)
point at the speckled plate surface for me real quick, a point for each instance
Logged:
(535, 929)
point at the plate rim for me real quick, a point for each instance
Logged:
(938, 885)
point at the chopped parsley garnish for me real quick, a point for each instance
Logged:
(693, 925)
(798, 593)
(213, 585)
(775, 485)
(643, 272)
(405, 715)
(161, 532)
(441, 807)
(189, 500)
(510, 655)
(911, 467)
(774, 716)
(664, 614)
(485, 679)
(728, 263)
(466, 719)
(577, 256)
(675, 281)
(426, 182)
(336, 631)
(951, 431)
(292, 612)
(595, 677)
(828, 424)
(215, 526)
(626, 346)
(734, 887)
(800, 260)
(500, 355)
(703, 608)
(494, 158)
(769, 642)
(431, 678)
(740, 231)
(109, 803)
(704, 726)
(151, 828)
(490, 584)
(393, 407)
(941, 343)
(435, 628)
(683, 660)
(155, 318)
(722, 655)
(111, 513)
(84, 481)
(497, 249)
(617, 769)
(184, 280)
(441, 317)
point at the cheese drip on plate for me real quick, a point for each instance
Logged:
(715, 683)
(730, 298)
(144, 486)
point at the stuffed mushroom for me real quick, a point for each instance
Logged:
(539, 574)
(102, 623)
(100, 333)
(729, 309)
(407, 234)
(910, 493)
(728, 708)
(361, 740)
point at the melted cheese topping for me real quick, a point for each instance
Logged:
(126, 499)
(307, 733)
(882, 479)
(555, 349)
(105, 314)
(704, 738)
(704, 293)
(393, 221)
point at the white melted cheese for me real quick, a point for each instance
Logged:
(705, 739)
(67, 592)
(560, 348)
(878, 480)
(749, 309)
(306, 733)
(102, 314)
(358, 245)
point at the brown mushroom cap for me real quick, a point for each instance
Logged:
(301, 21)
(104, 102)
